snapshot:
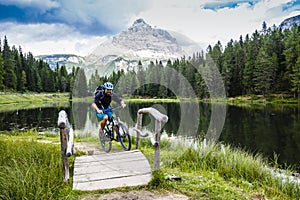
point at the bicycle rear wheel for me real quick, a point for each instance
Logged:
(123, 136)
(105, 141)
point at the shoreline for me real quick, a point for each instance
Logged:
(273, 99)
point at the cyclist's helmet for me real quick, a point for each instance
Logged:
(108, 86)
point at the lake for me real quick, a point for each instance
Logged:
(264, 129)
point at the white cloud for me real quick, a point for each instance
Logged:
(204, 26)
(42, 39)
(207, 26)
(41, 5)
(111, 13)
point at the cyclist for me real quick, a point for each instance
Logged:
(102, 102)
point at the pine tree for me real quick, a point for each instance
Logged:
(292, 53)
(296, 78)
(10, 79)
(80, 86)
(151, 78)
(263, 72)
(32, 74)
(228, 67)
(18, 66)
(22, 85)
(252, 48)
(275, 49)
(141, 78)
(94, 81)
(72, 79)
(216, 55)
(1, 72)
(169, 77)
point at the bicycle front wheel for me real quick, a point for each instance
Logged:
(105, 141)
(123, 136)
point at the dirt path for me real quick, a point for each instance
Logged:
(136, 195)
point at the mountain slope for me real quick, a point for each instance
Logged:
(290, 22)
(69, 60)
(140, 42)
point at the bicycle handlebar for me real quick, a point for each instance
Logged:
(112, 109)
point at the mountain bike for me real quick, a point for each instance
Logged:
(114, 130)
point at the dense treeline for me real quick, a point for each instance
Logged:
(268, 62)
(21, 72)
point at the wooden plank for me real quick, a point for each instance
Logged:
(133, 167)
(110, 156)
(106, 176)
(111, 170)
(113, 183)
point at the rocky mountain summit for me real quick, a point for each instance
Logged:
(140, 41)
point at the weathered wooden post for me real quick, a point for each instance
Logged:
(139, 127)
(159, 119)
(66, 134)
(157, 145)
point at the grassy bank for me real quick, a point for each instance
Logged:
(32, 170)
(13, 101)
(259, 99)
(14, 98)
(219, 172)
(240, 100)
(29, 98)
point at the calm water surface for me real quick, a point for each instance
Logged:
(263, 129)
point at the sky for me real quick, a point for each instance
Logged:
(78, 26)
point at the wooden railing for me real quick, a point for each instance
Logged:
(66, 142)
(155, 139)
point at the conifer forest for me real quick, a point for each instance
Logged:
(266, 62)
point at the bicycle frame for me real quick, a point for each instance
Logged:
(114, 124)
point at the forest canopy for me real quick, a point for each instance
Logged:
(21, 72)
(267, 62)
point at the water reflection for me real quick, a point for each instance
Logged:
(265, 129)
(40, 119)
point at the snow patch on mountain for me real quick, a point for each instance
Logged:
(290, 22)
(142, 42)
(69, 60)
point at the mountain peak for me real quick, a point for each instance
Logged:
(140, 42)
(139, 21)
(138, 25)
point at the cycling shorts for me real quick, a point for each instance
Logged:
(101, 116)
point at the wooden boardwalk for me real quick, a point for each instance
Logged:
(111, 170)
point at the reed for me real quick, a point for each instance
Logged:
(236, 166)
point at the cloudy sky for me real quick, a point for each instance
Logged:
(78, 26)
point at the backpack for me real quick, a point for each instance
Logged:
(98, 89)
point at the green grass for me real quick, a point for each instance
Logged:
(32, 170)
(13, 101)
(33, 97)
(219, 172)
(260, 100)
